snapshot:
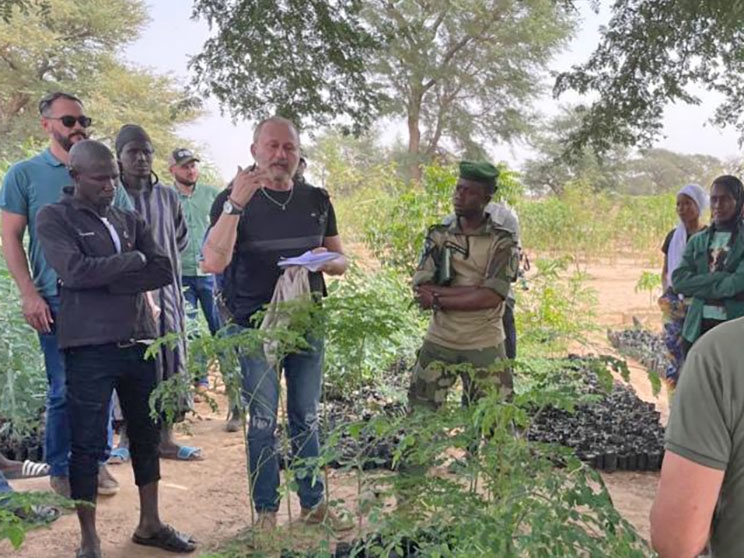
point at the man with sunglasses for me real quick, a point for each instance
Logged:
(28, 186)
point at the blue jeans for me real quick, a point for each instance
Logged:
(199, 291)
(4, 486)
(303, 372)
(57, 434)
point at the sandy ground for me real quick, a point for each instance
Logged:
(619, 305)
(209, 499)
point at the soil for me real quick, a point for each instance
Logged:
(209, 499)
(619, 304)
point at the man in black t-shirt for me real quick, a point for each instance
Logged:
(264, 216)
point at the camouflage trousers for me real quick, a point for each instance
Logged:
(437, 369)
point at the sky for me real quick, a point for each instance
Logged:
(172, 37)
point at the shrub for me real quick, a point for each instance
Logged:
(23, 381)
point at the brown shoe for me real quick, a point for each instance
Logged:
(61, 485)
(266, 522)
(107, 484)
(323, 515)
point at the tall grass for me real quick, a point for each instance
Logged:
(392, 218)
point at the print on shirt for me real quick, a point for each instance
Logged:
(720, 246)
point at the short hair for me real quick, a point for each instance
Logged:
(46, 101)
(87, 151)
(278, 120)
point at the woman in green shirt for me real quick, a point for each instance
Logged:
(712, 267)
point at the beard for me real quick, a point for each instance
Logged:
(279, 170)
(66, 141)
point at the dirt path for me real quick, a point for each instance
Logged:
(209, 499)
(619, 304)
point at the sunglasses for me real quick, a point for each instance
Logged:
(69, 121)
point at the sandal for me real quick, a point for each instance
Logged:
(29, 470)
(167, 539)
(185, 453)
(119, 456)
(37, 514)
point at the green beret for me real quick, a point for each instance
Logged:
(482, 172)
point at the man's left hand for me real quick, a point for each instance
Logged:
(424, 295)
(331, 267)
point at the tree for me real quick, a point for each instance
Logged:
(345, 164)
(651, 54)
(73, 46)
(464, 72)
(659, 171)
(618, 169)
(7, 7)
(551, 170)
(297, 58)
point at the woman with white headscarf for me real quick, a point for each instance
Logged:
(692, 200)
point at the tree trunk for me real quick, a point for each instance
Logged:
(414, 141)
(15, 104)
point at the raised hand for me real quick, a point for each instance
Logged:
(246, 183)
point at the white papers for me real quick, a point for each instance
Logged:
(311, 261)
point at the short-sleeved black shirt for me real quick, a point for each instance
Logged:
(266, 233)
(668, 239)
(667, 242)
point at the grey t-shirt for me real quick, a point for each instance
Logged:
(705, 426)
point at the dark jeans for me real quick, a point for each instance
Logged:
(57, 428)
(92, 374)
(303, 372)
(510, 329)
(199, 291)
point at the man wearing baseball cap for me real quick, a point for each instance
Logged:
(196, 200)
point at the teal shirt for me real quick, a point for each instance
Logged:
(694, 279)
(27, 187)
(196, 209)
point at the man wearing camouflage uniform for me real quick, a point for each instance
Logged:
(464, 277)
(504, 217)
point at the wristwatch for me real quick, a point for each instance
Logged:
(231, 208)
(435, 305)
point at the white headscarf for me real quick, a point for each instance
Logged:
(679, 240)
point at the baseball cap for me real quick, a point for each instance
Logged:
(181, 156)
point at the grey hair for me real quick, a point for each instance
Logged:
(278, 120)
